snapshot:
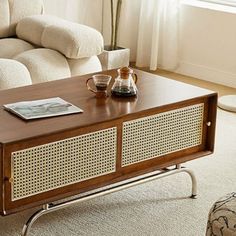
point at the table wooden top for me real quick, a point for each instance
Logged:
(153, 91)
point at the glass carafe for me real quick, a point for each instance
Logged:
(125, 83)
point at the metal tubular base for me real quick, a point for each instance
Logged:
(47, 208)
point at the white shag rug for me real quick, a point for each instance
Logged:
(158, 208)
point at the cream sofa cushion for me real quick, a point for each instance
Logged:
(31, 28)
(12, 11)
(84, 65)
(71, 39)
(44, 65)
(10, 47)
(13, 74)
(4, 18)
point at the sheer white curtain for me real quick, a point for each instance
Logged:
(157, 45)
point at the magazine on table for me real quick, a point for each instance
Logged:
(42, 108)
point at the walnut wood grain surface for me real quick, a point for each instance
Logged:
(155, 94)
(153, 91)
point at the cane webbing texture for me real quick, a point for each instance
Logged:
(53, 165)
(161, 134)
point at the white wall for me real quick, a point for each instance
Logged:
(87, 12)
(208, 44)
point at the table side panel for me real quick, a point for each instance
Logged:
(121, 173)
(212, 114)
(43, 142)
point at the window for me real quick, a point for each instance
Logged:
(223, 2)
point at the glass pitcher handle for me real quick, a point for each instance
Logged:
(89, 88)
(135, 77)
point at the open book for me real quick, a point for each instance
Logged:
(42, 108)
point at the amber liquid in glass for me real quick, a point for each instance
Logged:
(101, 87)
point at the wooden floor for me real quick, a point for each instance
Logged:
(222, 90)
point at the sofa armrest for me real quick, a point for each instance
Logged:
(71, 39)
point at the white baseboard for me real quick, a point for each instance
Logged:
(207, 73)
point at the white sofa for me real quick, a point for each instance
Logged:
(36, 48)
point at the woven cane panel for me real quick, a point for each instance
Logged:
(157, 135)
(47, 167)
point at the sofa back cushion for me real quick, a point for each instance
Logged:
(71, 39)
(12, 11)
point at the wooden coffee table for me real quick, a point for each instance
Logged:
(113, 140)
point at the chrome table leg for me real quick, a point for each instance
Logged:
(47, 208)
(33, 218)
(193, 178)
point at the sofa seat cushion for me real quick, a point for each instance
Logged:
(10, 47)
(71, 39)
(13, 74)
(44, 64)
